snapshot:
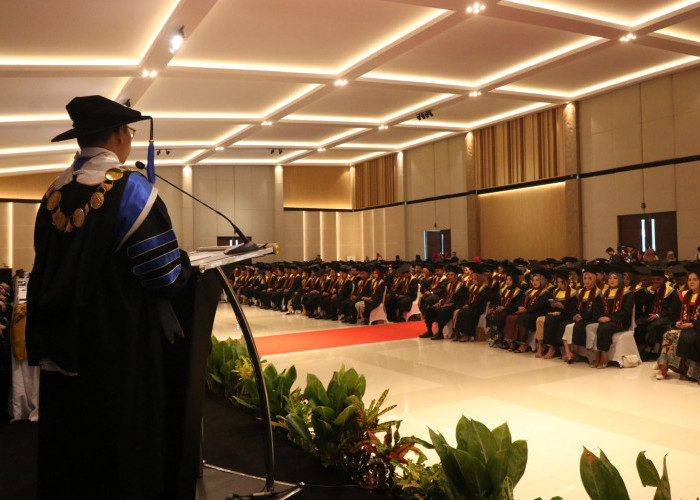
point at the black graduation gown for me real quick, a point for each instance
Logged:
(109, 431)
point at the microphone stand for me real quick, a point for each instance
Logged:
(246, 246)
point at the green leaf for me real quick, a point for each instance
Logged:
(600, 478)
(516, 461)
(647, 470)
(663, 492)
(502, 436)
(324, 413)
(475, 476)
(298, 431)
(342, 418)
(315, 391)
(481, 443)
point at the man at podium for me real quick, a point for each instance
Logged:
(100, 322)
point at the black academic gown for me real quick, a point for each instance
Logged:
(96, 309)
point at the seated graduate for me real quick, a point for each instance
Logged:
(363, 288)
(575, 332)
(443, 311)
(479, 294)
(374, 296)
(562, 310)
(663, 309)
(343, 290)
(535, 304)
(614, 310)
(511, 297)
(680, 349)
(404, 292)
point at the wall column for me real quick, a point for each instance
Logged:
(571, 166)
(187, 232)
(473, 241)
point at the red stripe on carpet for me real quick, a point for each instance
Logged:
(324, 339)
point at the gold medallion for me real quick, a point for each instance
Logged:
(53, 200)
(78, 217)
(114, 174)
(96, 200)
(106, 186)
(69, 226)
(59, 220)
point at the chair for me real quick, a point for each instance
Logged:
(623, 343)
(379, 312)
(415, 307)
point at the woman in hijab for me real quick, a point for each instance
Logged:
(536, 302)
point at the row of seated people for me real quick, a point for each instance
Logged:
(569, 307)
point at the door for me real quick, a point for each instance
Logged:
(642, 231)
(437, 242)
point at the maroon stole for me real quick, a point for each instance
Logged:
(689, 310)
(616, 303)
(589, 295)
(508, 295)
(451, 289)
(474, 293)
(532, 296)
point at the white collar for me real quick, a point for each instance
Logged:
(93, 171)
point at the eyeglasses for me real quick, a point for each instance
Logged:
(132, 131)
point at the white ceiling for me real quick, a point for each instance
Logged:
(245, 62)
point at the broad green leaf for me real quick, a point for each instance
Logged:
(324, 413)
(600, 478)
(315, 392)
(474, 473)
(647, 470)
(516, 461)
(452, 474)
(496, 466)
(663, 492)
(617, 484)
(502, 436)
(341, 420)
(298, 430)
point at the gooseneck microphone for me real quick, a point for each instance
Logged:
(246, 246)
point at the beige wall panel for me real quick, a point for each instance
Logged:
(442, 215)
(312, 234)
(254, 202)
(329, 236)
(459, 226)
(523, 222)
(226, 201)
(658, 139)
(205, 221)
(23, 217)
(657, 98)
(442, 168)
(686, 91)
(660, 189)
(292, 244)
(596, 116)
(368, 246)
(317, 187)
(348, 235)
(6, 234)
(626, 107)
(419, 164)
(358, 244)
(688, 209)
(420, 217)
(686, 133)
(26, 187)
(172, 197)
(597, 152)
(457, 175)
(394, 219)
(627, 145)
(380, 233)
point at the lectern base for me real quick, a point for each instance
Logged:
(218, 483)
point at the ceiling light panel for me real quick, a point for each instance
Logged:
(373, 104)
(315, 35)
(624, 12)
(302, 133)
(254, 154)
(475, 49)
(205, 95)
(167, 130)
(176, 155)
(30, 135)
(334, 155)
(49, 96)
(611, 63)
(688, 30)
(392, 137)
(26, 26)
(468, 111)
(59, 158)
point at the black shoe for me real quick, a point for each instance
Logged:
(437, 336)
(426, 335)
(352, 321)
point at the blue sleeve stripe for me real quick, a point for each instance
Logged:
(136, 201)
(157, 263)
(149, 244)
(164, 280)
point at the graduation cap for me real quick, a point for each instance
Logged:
(693, 267)
(404, 268)
(677, 271)
(562, 273)
(657, 272)
(453, 269)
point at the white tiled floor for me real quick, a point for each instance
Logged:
(556, 408)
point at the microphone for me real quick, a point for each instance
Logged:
(246, 246)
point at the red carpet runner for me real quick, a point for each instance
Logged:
(324, 339)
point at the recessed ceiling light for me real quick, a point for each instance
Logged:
(475, 8)
(321, 150)
(219, 148)
(266, 123)
(177, 39)
(474, 93)
(383, 127)
(341, 82)
(628, 37)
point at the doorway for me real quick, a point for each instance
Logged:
(437, 242)
(657, 231)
